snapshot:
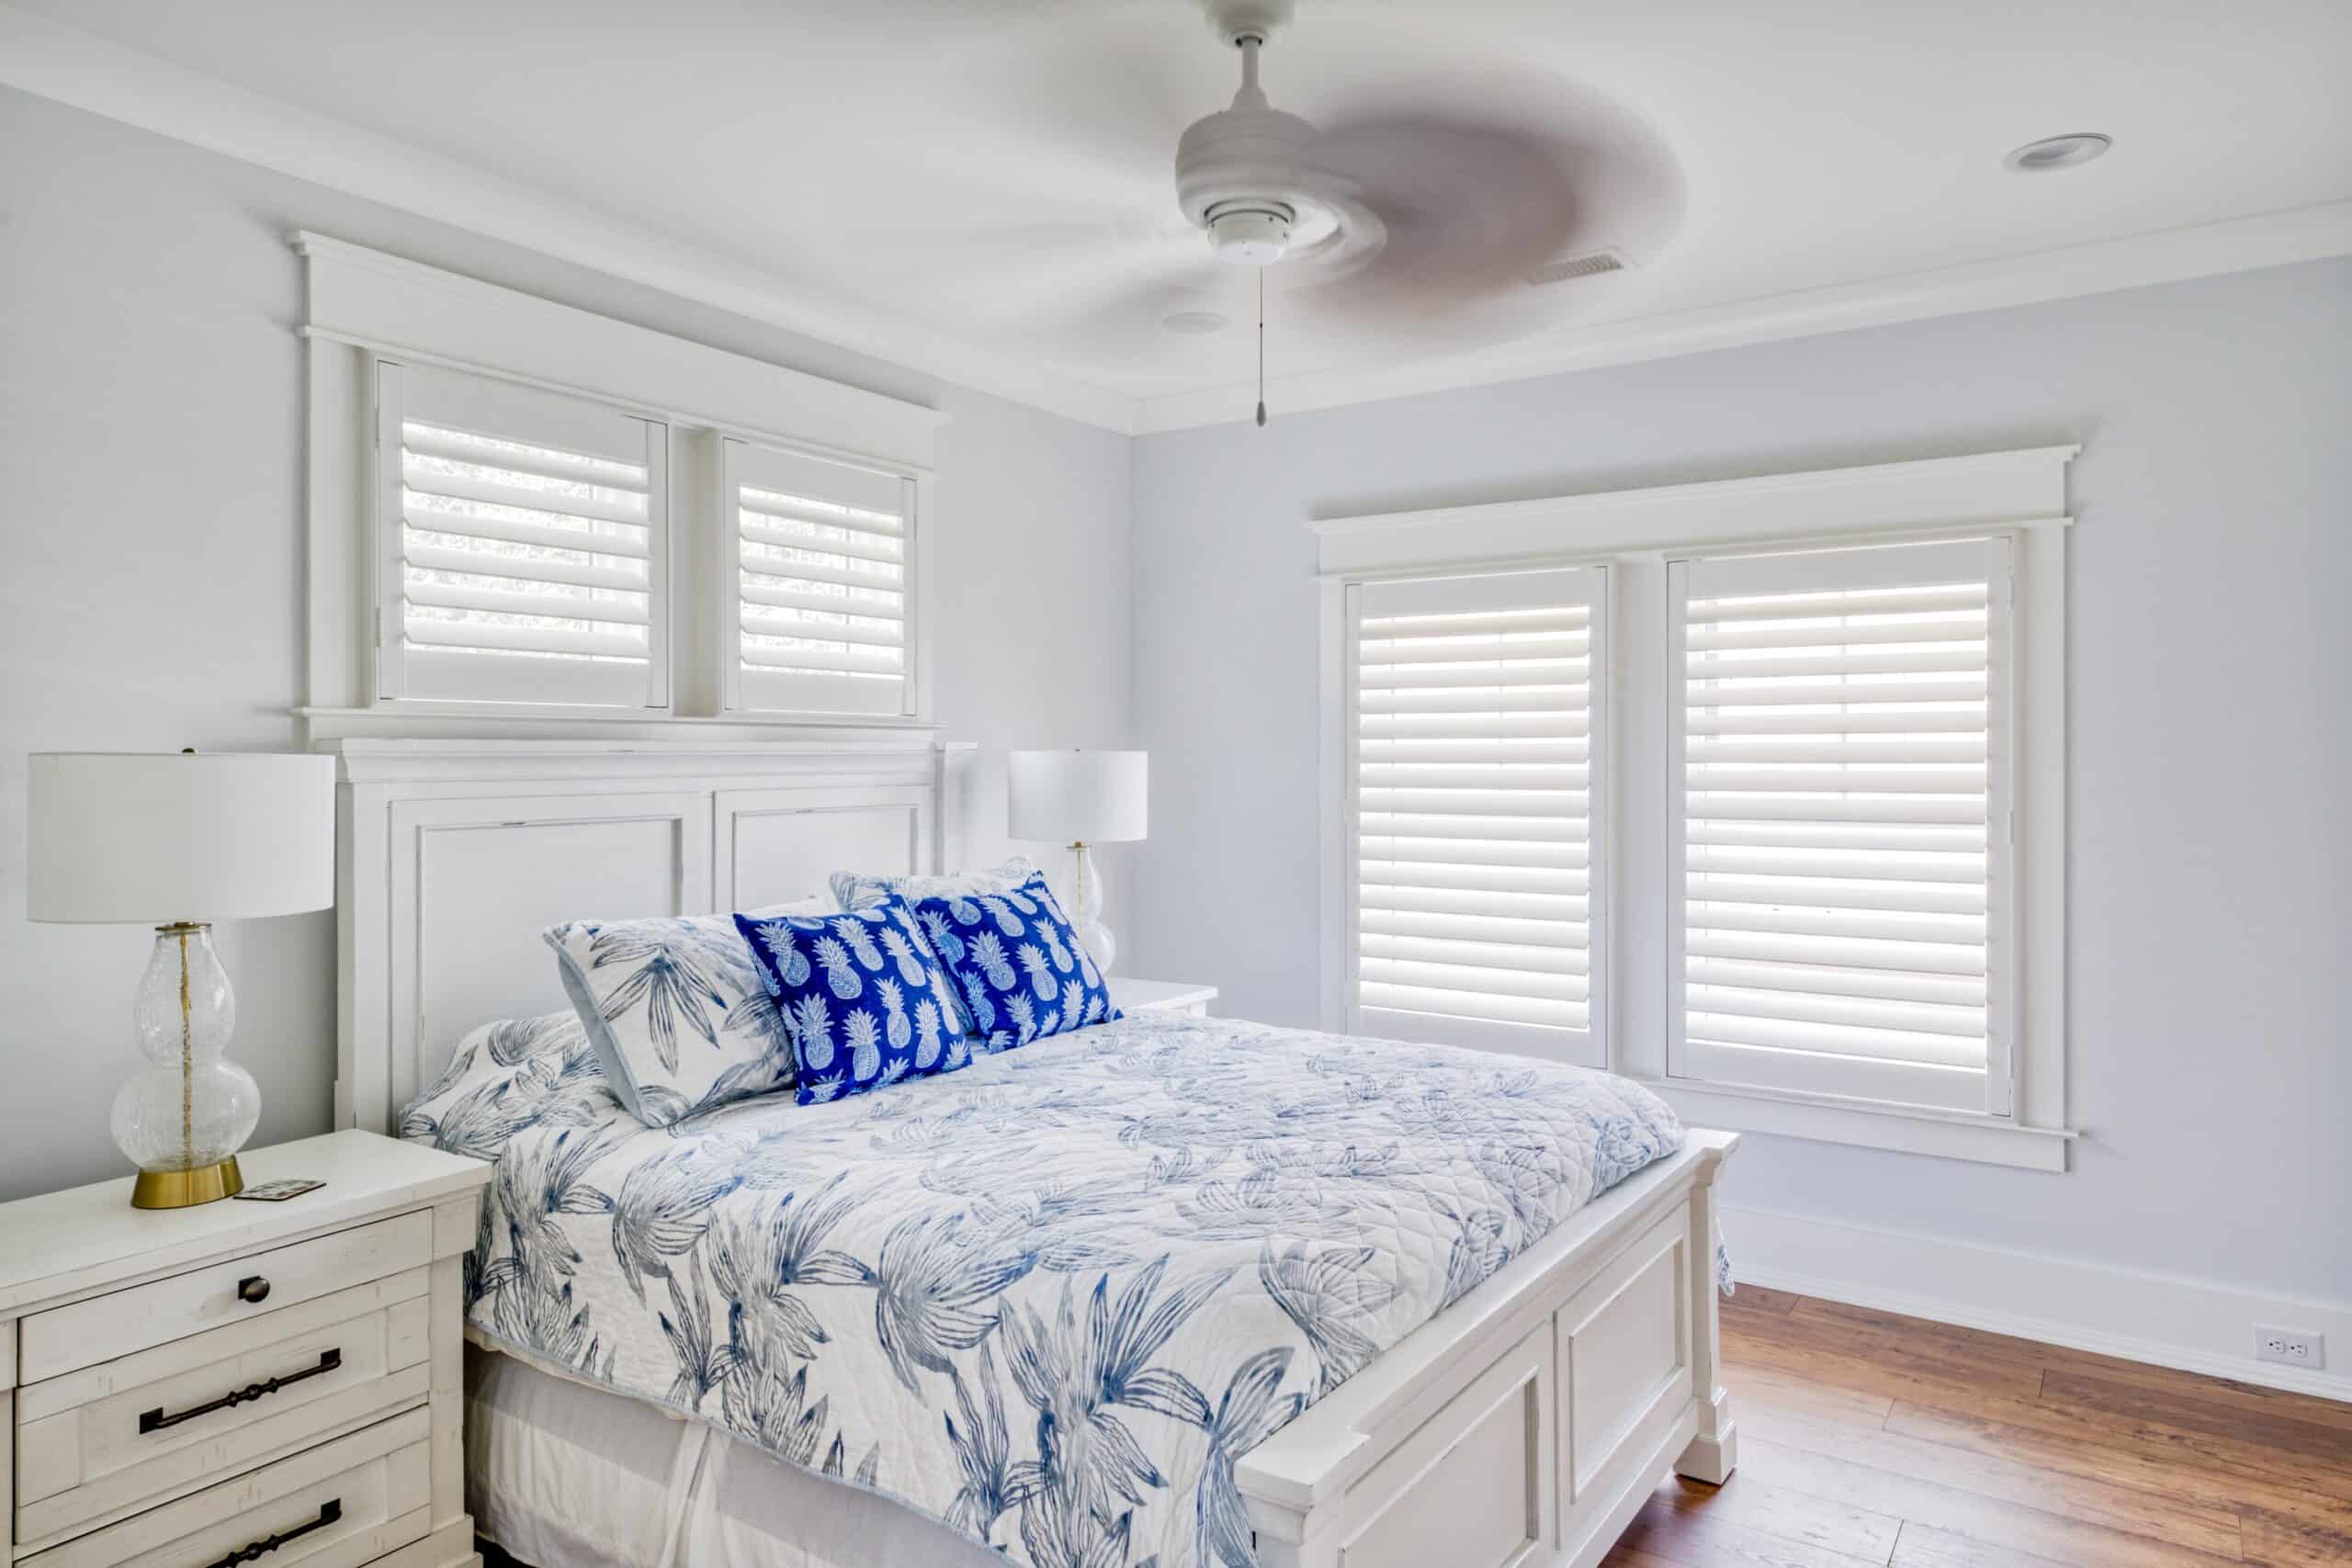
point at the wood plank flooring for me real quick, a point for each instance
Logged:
(1869, 1438)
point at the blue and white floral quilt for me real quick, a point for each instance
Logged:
(1049, 1299)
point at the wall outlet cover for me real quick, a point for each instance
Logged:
(2289, 1346)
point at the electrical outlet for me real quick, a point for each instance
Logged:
(2289, 1346)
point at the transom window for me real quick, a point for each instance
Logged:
(525, 545)
(821, 601)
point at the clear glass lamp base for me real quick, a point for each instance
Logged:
(1086, 917)
(183, 1115)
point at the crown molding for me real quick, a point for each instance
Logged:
(55, 62)
(51, 61)
(2170, 255)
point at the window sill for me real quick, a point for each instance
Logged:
(455, 721)
(1982, 1140)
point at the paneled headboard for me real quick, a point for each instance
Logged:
(454, 854)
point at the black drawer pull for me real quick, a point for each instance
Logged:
(329, 1512)
(253, 1288)
(155, 1420)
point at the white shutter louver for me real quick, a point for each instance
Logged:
(820, 608)
(1837, 852)
(1472, 790)
(521, 545)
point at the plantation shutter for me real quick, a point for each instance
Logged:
(1472, 791)
(821, 605)
(1838, 841)
(521, 545)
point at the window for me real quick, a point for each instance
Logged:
(529, 520)
(522, 546)
(818, 602)
(1471, 881)
(1752, 790)
(1835, 861)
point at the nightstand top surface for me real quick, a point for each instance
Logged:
(87, 1237)
(1130, 993)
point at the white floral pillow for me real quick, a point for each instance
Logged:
(505, 1076)
(675, 1009)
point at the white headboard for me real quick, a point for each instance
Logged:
(453, 855)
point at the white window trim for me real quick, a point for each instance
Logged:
(364, 304)
(2020, 494)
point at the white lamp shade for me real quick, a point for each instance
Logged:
(155, 837)
(1090, 798)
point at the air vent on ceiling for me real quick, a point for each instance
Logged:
(1592, 263)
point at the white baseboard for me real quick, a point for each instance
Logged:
(2169, 1322)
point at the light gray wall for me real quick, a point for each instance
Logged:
(2210, 649)
(150, 591)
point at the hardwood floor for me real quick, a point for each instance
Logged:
(1869, 1438)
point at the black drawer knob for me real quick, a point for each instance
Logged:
(253, 1288)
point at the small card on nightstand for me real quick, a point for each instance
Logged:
(278, 1191)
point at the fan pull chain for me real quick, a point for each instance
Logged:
(1261, 348)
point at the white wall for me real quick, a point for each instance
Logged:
(151, 597)
(2210, 866)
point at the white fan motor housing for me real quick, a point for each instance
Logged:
(1246, 176)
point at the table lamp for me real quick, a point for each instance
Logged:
(183, 839)
(1082, 798)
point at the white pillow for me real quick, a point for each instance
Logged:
(505, 1076)
(676, 1011)
(856, 888)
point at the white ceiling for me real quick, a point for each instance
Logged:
(988, 183)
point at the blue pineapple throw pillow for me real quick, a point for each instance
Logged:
(863, 1000)
(1019, 968)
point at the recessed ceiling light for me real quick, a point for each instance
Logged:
(2058, 151)
(1194, 323)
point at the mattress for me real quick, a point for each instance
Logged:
(1049, 1300)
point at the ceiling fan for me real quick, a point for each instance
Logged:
(1430, 206)
(1433, 214)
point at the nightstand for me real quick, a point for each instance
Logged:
(242, 1380)
(1160, 996)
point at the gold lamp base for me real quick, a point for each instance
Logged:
(185, 1189)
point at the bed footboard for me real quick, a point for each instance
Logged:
(1522, 1428)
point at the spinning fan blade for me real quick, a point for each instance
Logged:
(1017, 277)
(1470, 208)
(1476, 201)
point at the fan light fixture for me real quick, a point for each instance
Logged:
(1249, 234)
(2058, 151)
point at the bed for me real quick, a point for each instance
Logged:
(1169, 1290)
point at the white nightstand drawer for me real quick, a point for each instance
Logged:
(336, 1505)
(99, 1442)
(65, 1338)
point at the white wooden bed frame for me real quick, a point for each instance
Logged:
(1522, 1428)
